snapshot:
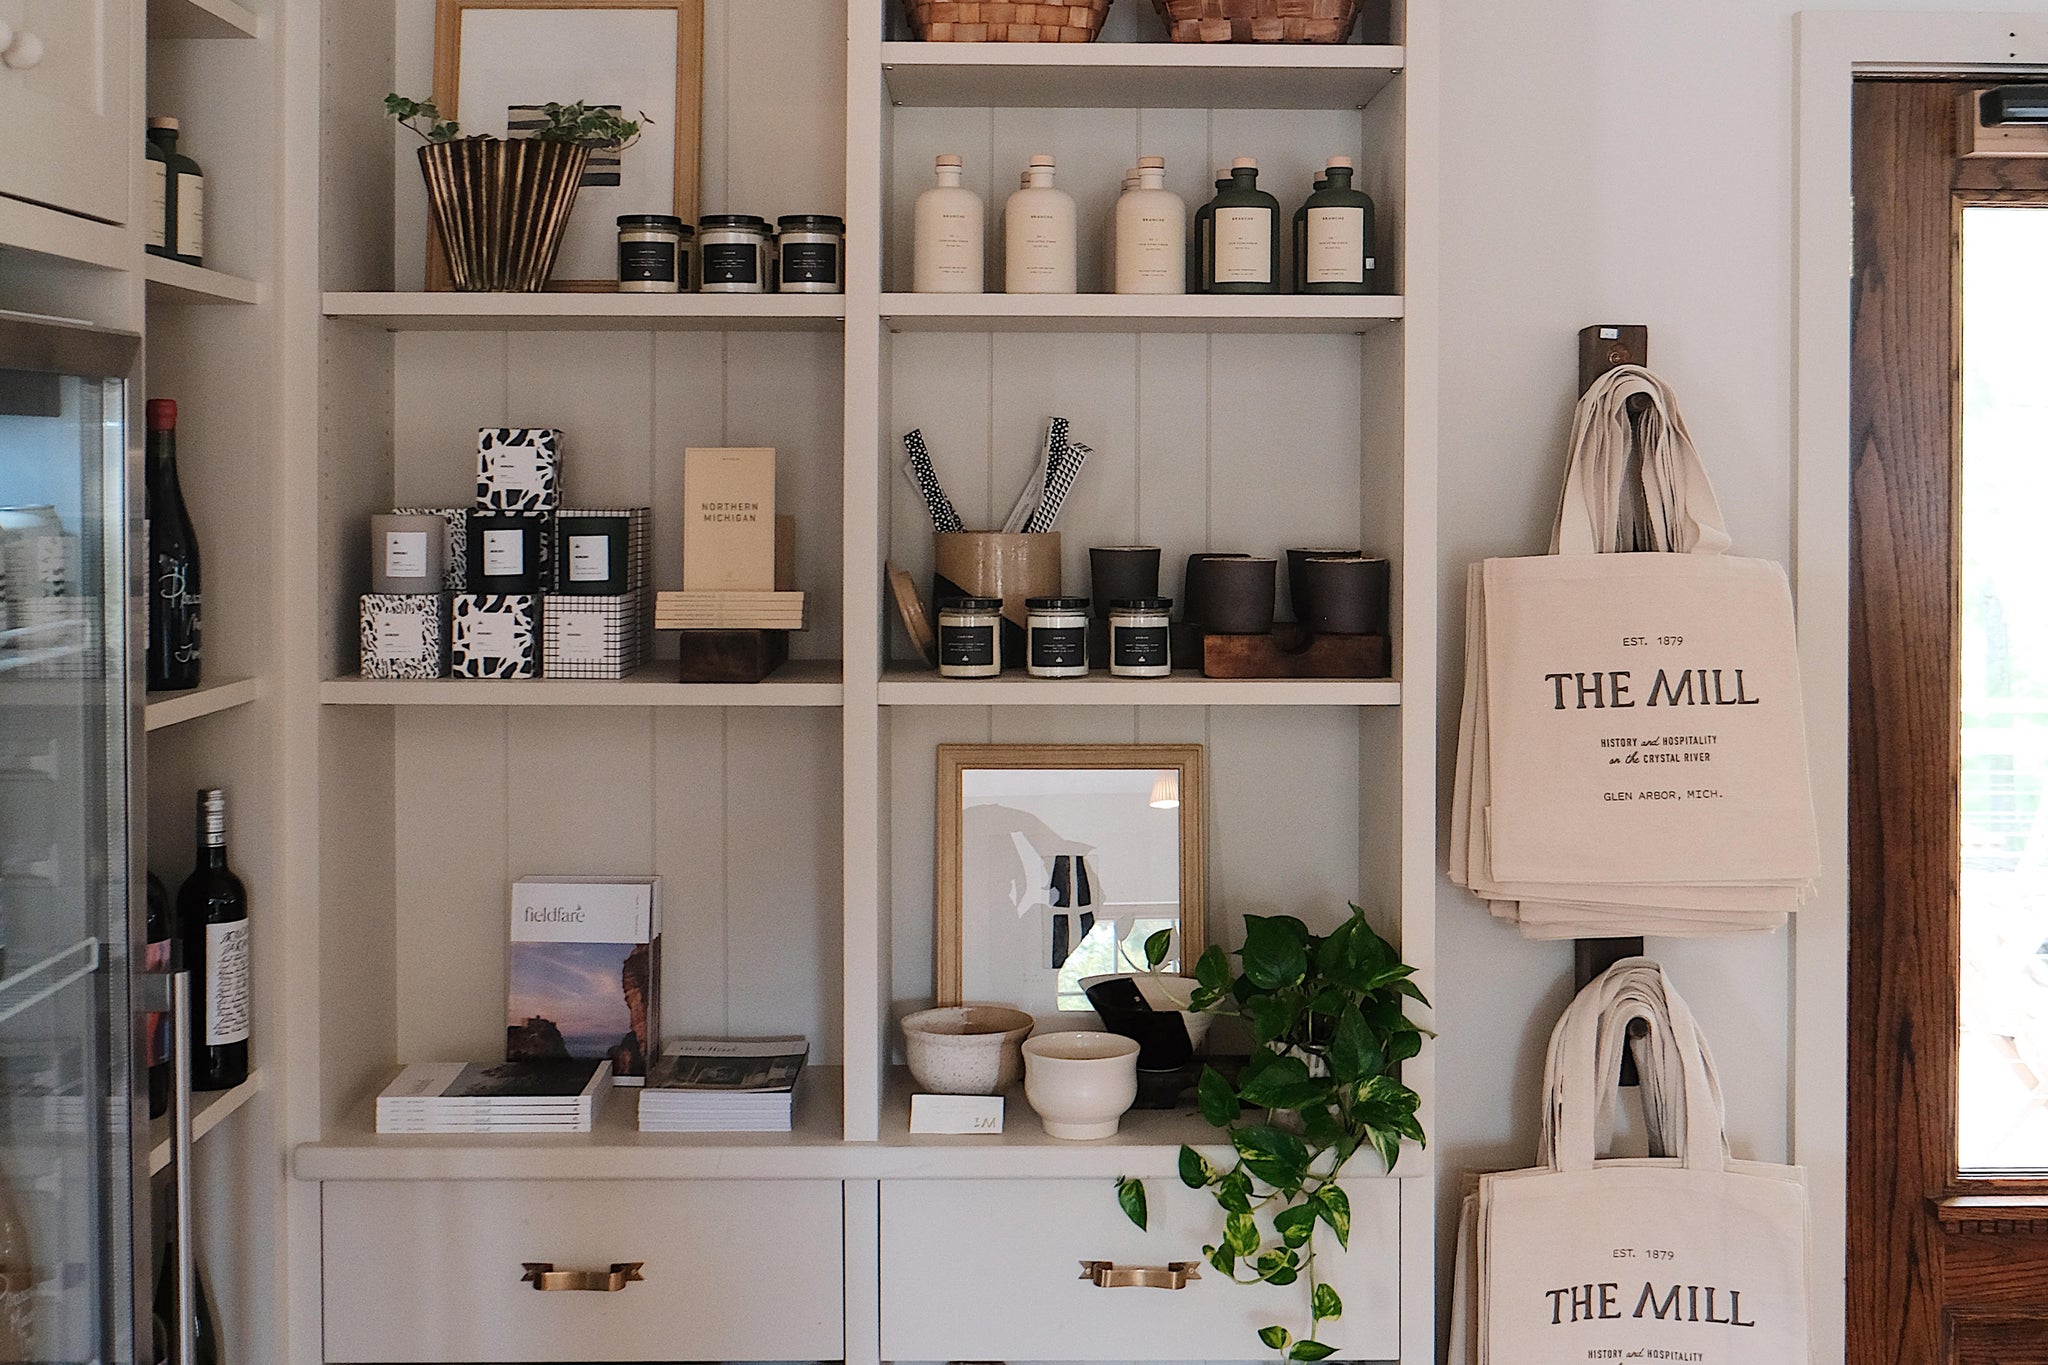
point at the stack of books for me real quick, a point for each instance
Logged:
(723, 1085)
(498, 1097)
(728, 611)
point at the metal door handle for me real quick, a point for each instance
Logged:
(1110, 1275)
(543, 1276)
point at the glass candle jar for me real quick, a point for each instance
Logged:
(969, 638)
(733, 253)
(812, 250)
(1056, 637)
(654, 253)
(1138, 631)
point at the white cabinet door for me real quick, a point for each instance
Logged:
(991, 1270)
(64, 100)
(731, 1270)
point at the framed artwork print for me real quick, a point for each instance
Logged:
(496, 62)
(1055, 862)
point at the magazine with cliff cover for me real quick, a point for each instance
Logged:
(732, 1085)
(583, 972)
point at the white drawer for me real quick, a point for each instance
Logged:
(430, 1270)
(990, 1270)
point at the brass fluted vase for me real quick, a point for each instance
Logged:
(501, 207)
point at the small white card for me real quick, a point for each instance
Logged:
(401, 636)
(956, 1113)
(590, 559)
(405, 554)
(580, 640)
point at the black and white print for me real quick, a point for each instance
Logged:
(595, 637)
(518, 469)
(496, 636)
(404, 635)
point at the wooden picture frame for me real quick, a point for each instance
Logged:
(988, 831)
(683, 128)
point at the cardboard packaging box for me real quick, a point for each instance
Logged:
(495, 636)
(508, 552)
(595, 637)
(583, 977)
(456, 561)
(729, 519)
(602, 552)
(518, 469)
(404, 635)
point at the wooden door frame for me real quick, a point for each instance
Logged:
(1833, 49)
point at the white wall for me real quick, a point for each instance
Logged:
(1611, 162)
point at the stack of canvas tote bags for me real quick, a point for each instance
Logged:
(1683, 1255)
(1632, 752)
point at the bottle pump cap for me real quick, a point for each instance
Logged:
(1339, 161)
(950, 159)
(161, 122)
(1042, 159)
(1244, 163)
(161, 414)
(1151, 163)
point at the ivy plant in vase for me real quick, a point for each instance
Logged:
(501, 205)
(1327, 1018)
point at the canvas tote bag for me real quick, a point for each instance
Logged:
(1688, 1257)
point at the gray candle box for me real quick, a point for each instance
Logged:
(456, 576)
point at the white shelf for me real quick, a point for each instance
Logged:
(201, 19)
(210, 1108)
(801, 682)
(1147, 1144)
(431, 312)
(1137, 75)
(1352, 313)
(165, 709)
(910, 685)
(168, 281)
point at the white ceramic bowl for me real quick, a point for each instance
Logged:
(1080, 1083)
(965, 1049)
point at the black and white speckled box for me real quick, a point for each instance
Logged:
(405, 635)
(518, 469)
(457, 577)
(496, 635)
(595, 637)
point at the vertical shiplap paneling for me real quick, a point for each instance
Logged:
(689, 410)
(576, 790)
(712, 140)
(783, 116)
(1173, 509)
(915, 734)
(445, 386)
(449, 793)
(690, 851)
(939, 384)
(603, 404)
(784, 389)
(783, 902)
(1283, 822)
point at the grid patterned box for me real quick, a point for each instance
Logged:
(585, 567)
(518, 469)
(496, 635)
(595, 637)
(457, 577)
(404, 635)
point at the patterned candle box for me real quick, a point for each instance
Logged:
(496, 635)
(602, 552)
(595, 637)
(405, 635)
(456, 579)
(518, 469)
(509, 552)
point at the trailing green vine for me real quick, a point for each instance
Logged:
(1327, 1017)
(578, 122)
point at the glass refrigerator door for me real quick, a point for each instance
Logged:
(68, 1158)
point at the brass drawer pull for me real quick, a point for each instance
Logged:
(543, 1276)
(1110, 1275)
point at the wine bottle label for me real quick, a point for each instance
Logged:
(810, 263)
(580, 640)
(227, 983)
(156, 1024)
(1244, 246)
(177, 609)
(731, 263)
(401, 636)
(647, 262)
(1336, 246)
(157, 217)
(405, 554)
(504, 554)
(191, 217)
(590, 559)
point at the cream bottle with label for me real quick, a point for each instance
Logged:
(946, 254)
(1151, 234)
(1244, 249)
(1039, 247)
(1115, 223)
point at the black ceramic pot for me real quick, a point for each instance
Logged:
(1121, 573)
(1194, 603)
(1237, 595)
(1344, 595)
(1297, 592)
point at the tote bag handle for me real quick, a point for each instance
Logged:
(1685, 516)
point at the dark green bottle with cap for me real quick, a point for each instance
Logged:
(1242, 255)
(1336, 243)
(1198, 240)
(1301, 233)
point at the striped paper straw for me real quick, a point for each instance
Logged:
(944, 518)
(1058, 485)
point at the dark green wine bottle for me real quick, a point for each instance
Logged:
(1243, 254)
(1198, 240)
(1337, 251)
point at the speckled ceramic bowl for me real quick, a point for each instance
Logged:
(966, 1049)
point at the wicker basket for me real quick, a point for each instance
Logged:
(1258, 21)
(971, 21)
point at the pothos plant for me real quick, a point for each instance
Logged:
(578, 122)
(1327, 1015)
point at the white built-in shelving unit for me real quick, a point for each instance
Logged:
(792, 821)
